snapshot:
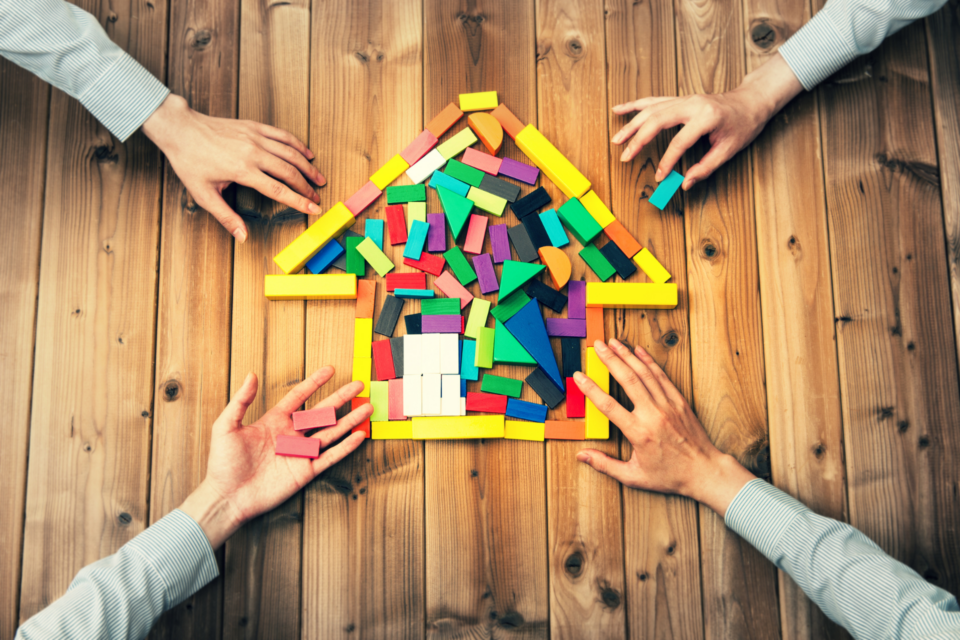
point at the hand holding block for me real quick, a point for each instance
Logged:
(298, 447)
(665, 190)
(482, 101)
(631, 295)
(488, 129)
(311, 287)
(314, 419)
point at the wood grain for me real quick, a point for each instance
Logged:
(263, 559)
(661, 542)
(24, 107)
(363, 519)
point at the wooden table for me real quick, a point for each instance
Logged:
(815, 334)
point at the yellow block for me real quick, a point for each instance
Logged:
(478, 101)
(455, 145)
(363, 338)
(458, 427)
(389, 172)
(631, 295)
(592, 203)
(597, 425)
(553, 163)
(310, 287)
(329, 226)
(396, 430)
(652, 267)
(518, 430)
(361, 372)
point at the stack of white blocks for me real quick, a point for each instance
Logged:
(431, 375)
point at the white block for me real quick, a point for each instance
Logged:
(450, 387)
(424, 168)
(463, 406)
(431, 394)
(412, 395)
(429, 353)
(449, 354)
(412, 355)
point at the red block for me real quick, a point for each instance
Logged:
(298, 447)
(395, 400)
(475, 234)
(396, 224)
(463, 324)
(314, 419)
(406, 281)
(480, 160)
(576, 403)
(363, 198)
(365, 425)
(419, 147)
(428, 262)
(486, 402)
(383, 360)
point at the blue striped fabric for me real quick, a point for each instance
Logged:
(846, 29)
(68, 48)
(849, 577)
(122, 595)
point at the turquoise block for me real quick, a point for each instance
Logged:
(665, 191)
(440, 179)
(374, 229)
(415, 240)
(414, 293)
(551, 222)
(468, 371)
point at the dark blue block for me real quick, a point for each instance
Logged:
(523, 410)
(463, 387)
(527, 327)
(322, 259)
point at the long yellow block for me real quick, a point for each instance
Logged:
(363, 338)
(458, 427)
(594, 205)
(329, 226)
(395, 430)
(482, 101)
(651, 266)
(389, 172)
(597, 425)
(332, 286)
(361, 372)
(518, 430)
(553, 163)
(631, 295)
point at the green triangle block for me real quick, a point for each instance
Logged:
(457, 209)
(516, 274)
(506, 349)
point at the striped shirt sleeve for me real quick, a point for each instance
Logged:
(68, 48)
(122, 595)
(849, 577)
(846, 29)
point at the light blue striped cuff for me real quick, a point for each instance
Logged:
(178, 550)
(124, 96)
(817, 50)
(760, 514)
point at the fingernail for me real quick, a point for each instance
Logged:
(659, 176)
(615, 343)
(599, 346)
(312, 208)
(616, 139)
(240, 235)
(578, 377)
(320, 180)
(625, 156)
(583, 457)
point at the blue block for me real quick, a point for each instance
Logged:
(440, 179)
(414, 293)
(523, 410)
(527, 327)
(467, 369)
(463, 387)
(415, 240)
(322, 259)
(666, 189)
(374, 229)
(551, 222)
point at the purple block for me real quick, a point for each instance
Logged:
(565, 327)
(437, 234)
(486, 276)
(500, 242)
(577, 303)
(451, 324)
(519, 171)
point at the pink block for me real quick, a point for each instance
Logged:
(298, 446)
(395, 399)
(419, 147)
(362, 198)
(314, 419)
(500, 243)
(481, 160)
(437, 234)
(453, 289)
(567, 327)
(475, 234)
(486, 276)
(577, 303)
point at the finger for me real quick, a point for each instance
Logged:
(640, 372)
(607, 405)
(669, 389)
(634, 125)
(709, 163)
(341, 396)
(280, 192)
(216, 206)
(625, 375)
(657, 122)
(639, 105)
(232, 416)
(685, 138)
(283, 170)
(353, 419)
(299, 394)
(333, 455)
(295, 158)
(616, 469)
(287, 138)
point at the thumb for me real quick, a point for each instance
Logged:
(232, 416)
(214, 203)
(616, 469)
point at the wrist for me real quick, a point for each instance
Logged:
(717, 482)
(771, 86)
(218, 518)
(162, 125)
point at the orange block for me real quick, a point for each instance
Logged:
(365, 425)
(487, 129)
(444, 120)
(507, 120)
(564, 430)
(622, 238)
(594, 325)
(558, 264)
(366, 294)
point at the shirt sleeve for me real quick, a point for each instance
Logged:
(122, 595)
(849, 577)
(846, 29)
(68, 48)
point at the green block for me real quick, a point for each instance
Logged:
(500, 385)
(380, 399)
(355, 262)
(506, 349)
(440, 306)
(516, 274)
(407, 193)
(597, 261)
(510, 305)
(575, 217)
(373, 255)
(484, 354)
(487, 201)
(460, 266)
(463, 173)
(457, 208)
(479, 310)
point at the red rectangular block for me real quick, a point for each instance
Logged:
(406, 281)
(475, 234)
(314, 419)
(564, 430)
(366, 295)
(365, 425)
(395, 400)
(419, 147)
(480, 160)
(576, 402)
(428, 262)
(396, 224)
(486, 402)
(298, 447)
(363, 198)
(383, 360)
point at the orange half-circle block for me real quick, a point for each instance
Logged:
(558, 264)
(488, 130)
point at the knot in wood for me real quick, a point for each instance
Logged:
(103, 153)
(764, 35)
(112, 17)
(924, 442)
(709, 249)
(819, 449)
(671, 339)
(574, 564)
(201, 39)
(171, 390)
(511, 620)
(609, 596)
(125, 518)
(574, 48)
(903, 425)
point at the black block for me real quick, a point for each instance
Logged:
(396, 349)
(389, 315)
(544, 387)
(538, 235)
(529, 203)
(414, 322)
(570, 350)
(624, 265)
(547, 295)
(521, 242)
(507, 190)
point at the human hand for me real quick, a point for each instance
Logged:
(671, 450)
(208, 154)
(245, 477)
(730, 120)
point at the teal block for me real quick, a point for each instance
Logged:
(666, 189)
(440, 179)
(373, 228)
(551, 223)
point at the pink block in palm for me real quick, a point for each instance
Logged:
(314, 419)
(449, 285)
(298, 447)
(475, 234)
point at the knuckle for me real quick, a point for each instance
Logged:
(277, 190)
(607, 404)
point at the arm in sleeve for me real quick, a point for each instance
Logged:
(122, 595)
(849, 577)
(68, 48)
(846, 29)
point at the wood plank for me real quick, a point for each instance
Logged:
(262, 576)
(194, 313)
(583, 507)
(363, 520)
(739, 585)
(486, 541)
(898, 360)
(24, 108)
(93, 376)
(661, 543)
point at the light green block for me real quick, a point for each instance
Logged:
(487, 201)
(376, 258)
(416, 211)
(479, 310)
(380, 399)
(484, 355)
(457, 144)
